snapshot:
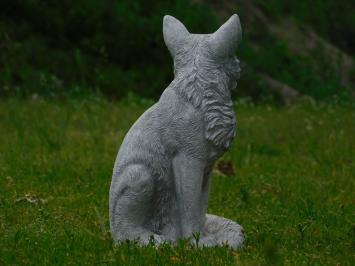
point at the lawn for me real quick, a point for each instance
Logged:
(290, 183)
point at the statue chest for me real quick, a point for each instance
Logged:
(220, 121)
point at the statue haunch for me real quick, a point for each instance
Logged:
(162, 173)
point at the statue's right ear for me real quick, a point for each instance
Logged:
(175, 34)
(226, 39)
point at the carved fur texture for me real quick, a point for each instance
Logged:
(162, 173)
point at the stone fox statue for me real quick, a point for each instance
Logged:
(162, 173)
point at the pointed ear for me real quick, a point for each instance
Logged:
(226, 39)
(175, 34)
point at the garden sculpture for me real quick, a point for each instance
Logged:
(162, 173)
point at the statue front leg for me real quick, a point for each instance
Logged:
(205, 191)
(188, 174)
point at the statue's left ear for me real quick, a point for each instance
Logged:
(226, 39)
(175, 34)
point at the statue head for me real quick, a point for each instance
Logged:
(213, 53)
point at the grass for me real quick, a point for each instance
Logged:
(293, 188)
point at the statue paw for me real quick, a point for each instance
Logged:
(208, 241)
(225, 231)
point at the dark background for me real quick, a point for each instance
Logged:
(114, 47)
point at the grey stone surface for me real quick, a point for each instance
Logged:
(162, 173)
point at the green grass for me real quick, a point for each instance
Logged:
(293, 190)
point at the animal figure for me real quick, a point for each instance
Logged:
(162, 173)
